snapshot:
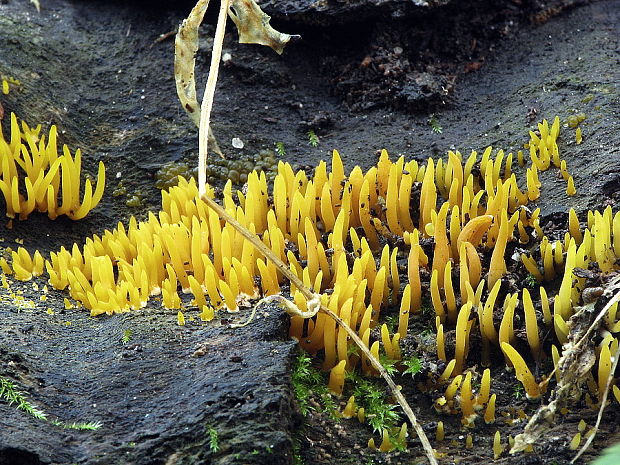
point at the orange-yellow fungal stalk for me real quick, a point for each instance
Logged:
(570, 187)
(442, 247)
(440, 431)
(531, 325)
(336, 378)
(463, 327)
(436, 297)
(428, 195)
(485, 388)
(466, 398)
(489, 413)
(498, 449)
(441, 347)
(497, 267)
(578, 136)
(475, 229)
(604, 369)
(522, 371)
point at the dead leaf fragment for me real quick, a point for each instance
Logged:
(254, 28)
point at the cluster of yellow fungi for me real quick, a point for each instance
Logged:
(33, 176)
(440, 218)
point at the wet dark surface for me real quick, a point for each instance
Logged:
(95, 70)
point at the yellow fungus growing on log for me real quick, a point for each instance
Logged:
(428, 195)
(570, 187)
(453, 387)
(604, 368)
(532, 268)
(498, 449)
(531, 325)
(497, 268)
(561, 328)
(442, 249)
(522, 371)
(449, 293)
(440, 432)
(447, 372)
(582, 425)
(574, 443)
(386, 443)
(405, 309)
(489, 413)
(467, 404)
(336, 378)
(573, 226)
(350, 410)
(475, 229)
(578, 136)
(463, 328)
(43, 174)
(436, 297)
(485, 388)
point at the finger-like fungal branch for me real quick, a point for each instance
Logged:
(311, 296)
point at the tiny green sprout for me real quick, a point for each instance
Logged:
(427, 332)
(530, 281)
(77, 425)
(9, 393)
(352, 350)
(398, 444)
(280, 149)
(413, 365)
(313, 139)
(310, 382)
(254, 452)
(213, 439)
(371, 395)
(388, 364)
(83, 425)
(297, 458)
(269, 449)
(126, 336)
(435, 126)
(392, 322)
(518, 391)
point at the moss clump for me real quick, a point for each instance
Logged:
(574, 120)
(220, 169)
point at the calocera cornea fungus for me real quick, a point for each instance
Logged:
(35, 177)
(523, 373)
(325, 228)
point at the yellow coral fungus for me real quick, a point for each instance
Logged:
(34, 175)
(523, 372)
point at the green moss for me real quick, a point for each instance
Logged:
(219, 170)
(309, 383)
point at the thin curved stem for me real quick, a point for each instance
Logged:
(207, 99)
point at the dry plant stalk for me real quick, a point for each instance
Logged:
(254, 27)
(185, 47)
(577, 360)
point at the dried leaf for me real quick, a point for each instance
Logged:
(185, 47)
(253, 26)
